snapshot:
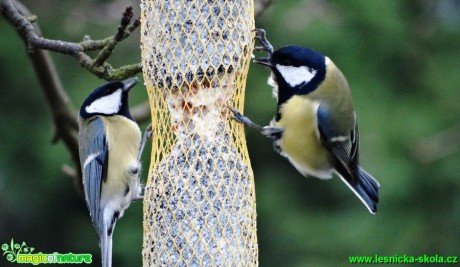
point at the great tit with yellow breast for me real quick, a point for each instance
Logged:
(110, 148)
(315, 125)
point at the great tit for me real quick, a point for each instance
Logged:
(315, 125)
(110, 148)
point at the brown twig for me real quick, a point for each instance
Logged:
(97, 66)
(27, 31)
(122, 33)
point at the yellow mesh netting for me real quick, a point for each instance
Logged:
(199, 201)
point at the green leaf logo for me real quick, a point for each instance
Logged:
(12, 250)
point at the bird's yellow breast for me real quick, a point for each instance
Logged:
(123, 139)
(300, 142)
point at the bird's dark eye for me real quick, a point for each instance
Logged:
(107, 92)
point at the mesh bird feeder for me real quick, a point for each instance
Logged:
(199, 201)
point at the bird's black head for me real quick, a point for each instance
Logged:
(296, 71)
(108, 100)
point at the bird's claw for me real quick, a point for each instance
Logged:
(265, 45)
(148, 132)
(147, 135)
(237, 115)
(244, 120)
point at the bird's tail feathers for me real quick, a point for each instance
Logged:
(106, 249)
(366, 189)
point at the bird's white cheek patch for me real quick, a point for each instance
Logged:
(296, 75)
(106, 105)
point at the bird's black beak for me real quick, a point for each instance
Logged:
(129, 83)
(264, 61)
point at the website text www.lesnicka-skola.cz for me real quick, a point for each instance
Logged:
(403, 259)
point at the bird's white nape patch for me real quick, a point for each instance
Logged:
(109, 104)
(327, 61)
(296, 75)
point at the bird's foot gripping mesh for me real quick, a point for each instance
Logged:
(199, 202)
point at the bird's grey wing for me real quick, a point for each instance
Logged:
(344, 148)
(94, 161)
(343, 145)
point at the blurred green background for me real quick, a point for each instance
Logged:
(401, 59)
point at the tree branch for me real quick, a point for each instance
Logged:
(97, 66)
(123, 33)
(62, 111)
(27, 31)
